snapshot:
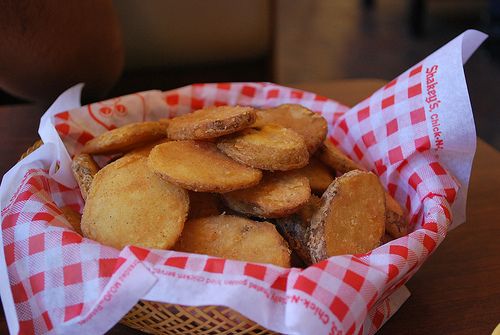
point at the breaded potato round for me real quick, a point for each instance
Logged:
(311, 126)
(236, 238)
(84, 169)
(351, 217)
(318, 174)
(210, 122)
(129, 204)
(125, 138)
(277, 195)
(198, 166)
(202, 204)
(270, 147)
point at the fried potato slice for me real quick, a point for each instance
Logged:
(198, 166)
(350, 219)
(236, 238)
(210, 122)
(333, 157)
(311, 126)
(125, 138)
(270, 147)
(318, 174)
(395, 224)
(277, 195)
(84, 169)
(203, 204)
(74, 218)
(129, 204)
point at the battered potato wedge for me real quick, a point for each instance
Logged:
(74, 218)
(277, 195)
(270, 147)
(336, 159)
(125, 138)
(349, 220)
(311, 126)
(210, 122)
(396, 224)
(200, 167)
(84, 169)
(318, 174)
(236, 238)
(203, 204)
(129, 204)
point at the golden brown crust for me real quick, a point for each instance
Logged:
(84, 169)
(318, 174)
(125, 138)
(199, 166)
(311, 126)
(277, 195)
(210, 122)
(129, 204)
(333, 157)
(270, 147)
(234, 237)
(351, 217)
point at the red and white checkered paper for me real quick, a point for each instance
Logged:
(56, 281)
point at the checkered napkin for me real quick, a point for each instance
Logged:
(416, 133)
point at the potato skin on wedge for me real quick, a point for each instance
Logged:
(270, 147)
(236, 238)
(277, 195)
(129, 204)
(198, 166)
(210, 122)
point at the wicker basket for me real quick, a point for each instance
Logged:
(160, 318)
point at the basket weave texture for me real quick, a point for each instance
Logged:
(160, 318)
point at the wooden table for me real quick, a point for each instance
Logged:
(457, 291)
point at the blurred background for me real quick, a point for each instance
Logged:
(167, 44)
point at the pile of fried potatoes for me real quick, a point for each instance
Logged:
(233, 182)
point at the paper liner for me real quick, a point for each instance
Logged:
(416, 133)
